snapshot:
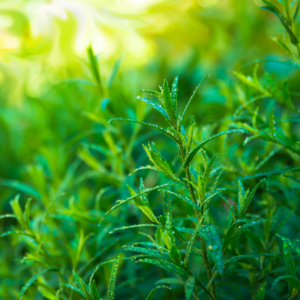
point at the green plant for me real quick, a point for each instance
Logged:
(217, 208)
(173, 246)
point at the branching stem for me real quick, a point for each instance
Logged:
(203, 245)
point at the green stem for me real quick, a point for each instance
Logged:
(203, 245)
(207, 265)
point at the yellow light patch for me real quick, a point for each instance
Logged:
(207, 2)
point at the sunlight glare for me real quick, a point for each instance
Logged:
(207, 3)
(139, 2)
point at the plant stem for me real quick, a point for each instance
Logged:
(203, 245)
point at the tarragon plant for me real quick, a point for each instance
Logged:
(212, 225)
(172, 246)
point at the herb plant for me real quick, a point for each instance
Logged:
(213, 216)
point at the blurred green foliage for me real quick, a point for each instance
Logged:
(68, 67)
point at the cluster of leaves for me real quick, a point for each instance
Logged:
(172, 245)
(203, 234)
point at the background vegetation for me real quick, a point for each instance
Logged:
(68, 67)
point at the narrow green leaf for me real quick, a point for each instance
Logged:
(147, 251)
(121, 202)
(74, 288)
(159, 235)
(33, 279)
(18, 211)
(166, 265)
(142, 189)
(288, 260)
(251, 138)
(94, 66)
(97, 148)
(168, 211)
(189, 287)
(174, 253)
(208, 170)
(247, 127)
(16, 232)
(192, 154)
(201, 186)
(249, 81)
(112, 281)
(260, 295)
(156, 106)
(272, 123)
(169, 281)
(191, 242)
(168, 104)
(139, 203)
(290, 267)
(85, 290)
(292, 281)
(152, 292)
(254, 118)
(27, 211)
(205, 158)
(144, 168)
(230, 233)
(150, 244)
(94, 292)
(148, 236)
(248, 200)
(90, 160)
(154, 126)
(174, 93)
(286, 4)
(230, 207)
(296, 11)
(247, 225)
(213, 244)
(189, 137)
(241, 197)
(286, 95)
(47, 294)
(286, 240)
(110, 261)
(208, 199)
(270, 155)
(240, 257)
(159, 162)
(185, 199)
(114, 72)
(157, 94)
(22, 187)
(283, 45)
(133, 226)
(283, 21)
(7, 216)
(79, 281)
(192, 97)
(192, 184)
(194, 173)
(273, 87)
